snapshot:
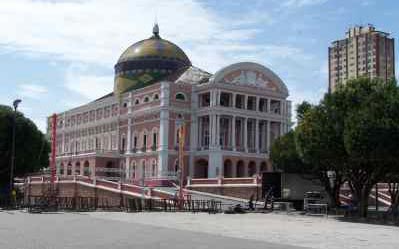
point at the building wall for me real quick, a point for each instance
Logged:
(113, 129)
(365, 52)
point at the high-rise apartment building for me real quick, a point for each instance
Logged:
(364, 52)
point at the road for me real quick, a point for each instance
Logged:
(19, 230)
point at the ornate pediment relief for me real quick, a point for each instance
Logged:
(250, 78)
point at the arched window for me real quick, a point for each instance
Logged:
(133, 172)
(86, 168)
(154, 168)
(154, 139)
(177, 139)
(135, 140)
(123, 144)
(137, 101)
(143, 169)
(180, 96)
(77, 168)
(146, 99)
(156, 97)
(69, 169)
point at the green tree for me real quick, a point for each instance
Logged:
(301, 110)
(285, 156)
(354, 131)
(371, 135)
(31, 147)
(319, 143)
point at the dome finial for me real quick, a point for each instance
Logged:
(155, 30)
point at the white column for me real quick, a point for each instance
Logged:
(233, 133)
(245, 135)
(217, 131)
(245, 101)
(214, 130)
(163, 130)
(63, 143)
(129, 104)
(193, 143)
(211, 131)
(268, 105)
(127, 169)
(129, 136)
(257, 104)
(257, 135)
(234, 100)
(199, 132)
(268, 137)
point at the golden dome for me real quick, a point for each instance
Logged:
(153, 47)
(148, 61)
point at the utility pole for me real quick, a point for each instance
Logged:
(182, 135)
(12, 161)
(53, 163)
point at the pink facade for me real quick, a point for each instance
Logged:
(231, 119)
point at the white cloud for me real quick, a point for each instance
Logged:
(33, 91)
(41, 124)
(92, 34)
(97, 31)
(90, 86)
(301, 3)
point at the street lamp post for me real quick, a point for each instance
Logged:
(12, 161)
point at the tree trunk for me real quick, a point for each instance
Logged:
(364, 203)
(361, 194)
(394, 194)
(333, 193)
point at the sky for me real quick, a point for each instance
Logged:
(56, 55)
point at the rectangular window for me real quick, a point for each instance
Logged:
(251, 103)
(263, 105)
(205, 99)
(225, 99)
(239, 101)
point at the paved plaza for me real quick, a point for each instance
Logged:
(20, 230)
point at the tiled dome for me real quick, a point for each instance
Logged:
(148, 61)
